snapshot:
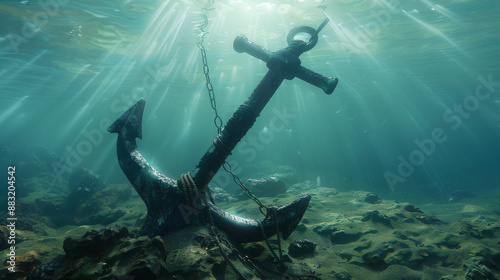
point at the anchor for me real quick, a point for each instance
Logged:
(166, 199)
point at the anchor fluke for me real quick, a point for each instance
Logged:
(131, 120)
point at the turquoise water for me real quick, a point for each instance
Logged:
(416, 108)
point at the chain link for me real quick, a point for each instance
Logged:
(249, 193)
(206, 70)
(211, 93)
(265, 210)
(218, 124)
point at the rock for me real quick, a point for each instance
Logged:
(411, 208)
(400, 257)
(449, 241)
(45, 271)
(102, 217)
(268, 169)
(377, 217)
(115, 195)
(400, 235)
(325, 229)
(409, 221)
(465, 228)
(268, 187)
(478, 271)
(4, 237)
(344, 236)
(93, 242)
(111, 254)
(449, 277)
(50, 205)
(375, 258)
(254, 250)
(25, 263)
(301, 248)
(103, 207)
(221, 195)
(363, 245)
(83, 183)
(341, 274)
(372, 198)
(429, 220)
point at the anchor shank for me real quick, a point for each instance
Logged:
(234, 130)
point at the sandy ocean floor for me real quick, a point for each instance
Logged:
(355, 239)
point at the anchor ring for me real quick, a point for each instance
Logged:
(304, 29)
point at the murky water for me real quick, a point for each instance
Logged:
(416, 105)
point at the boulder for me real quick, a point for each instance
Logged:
(93, 242)
(267, 169)
(301, 248)
(107, 254)
(268, 187)
(83, 183)
(220, 195)
(478, 271)
(372, 198)
(377, 217)
(345, 236)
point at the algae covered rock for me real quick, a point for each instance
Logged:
(301, 248)
(377, 217)
(372, 198)
(220, 195)
(268, 169)
(83, 183)
(191, 261)
(478, 271)
(108, 254)
(93, 242)
(268, 187)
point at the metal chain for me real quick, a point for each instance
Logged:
(247, 262)
(218, 124)
(206, 70)
(249, 193)
(211, 93)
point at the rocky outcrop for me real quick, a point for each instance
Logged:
(301, 248)
(267, 187)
